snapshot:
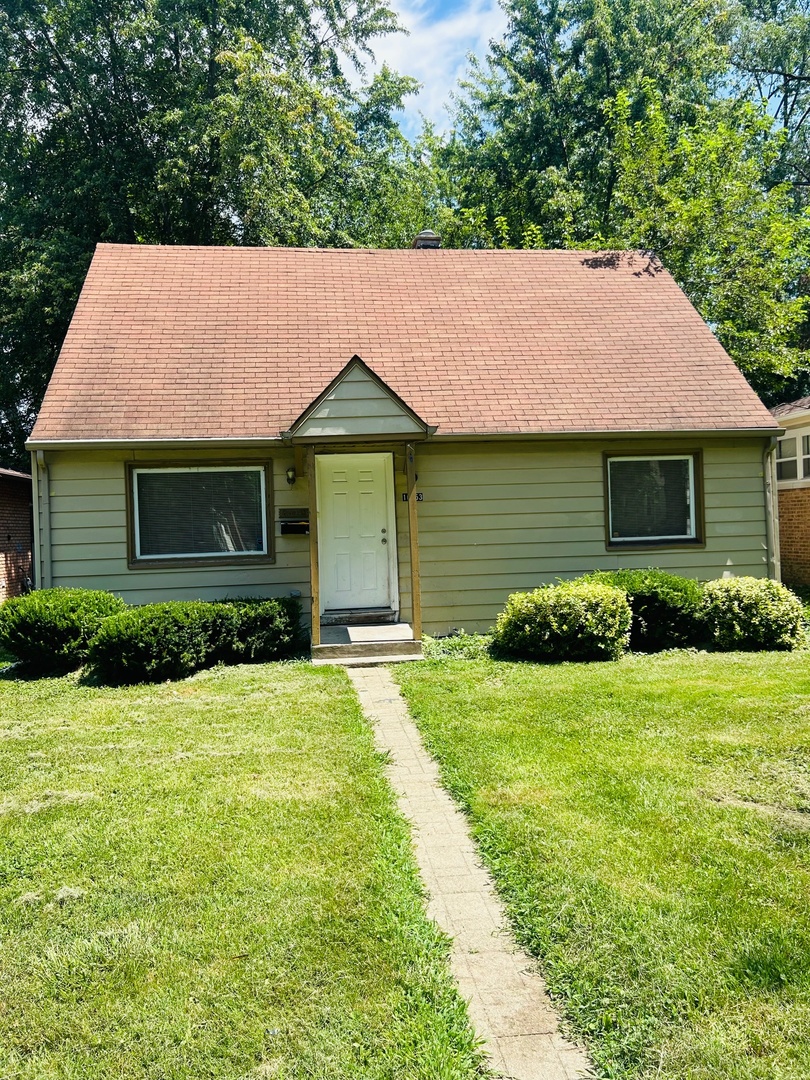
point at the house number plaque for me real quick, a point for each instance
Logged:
(420, 497)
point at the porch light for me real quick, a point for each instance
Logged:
(291, 475)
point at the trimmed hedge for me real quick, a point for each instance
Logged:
(50, 630)
(174, 639)
(265, 630)
(751, 614)
(666, 608)
(576, 620)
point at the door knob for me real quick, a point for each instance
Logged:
(383, 541)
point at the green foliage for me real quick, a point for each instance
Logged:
(576, 620)
(699, 199)
(263, 630)
(159, 641)
(174, 639)
(51, 629)
(770, 54)
(179, 122)
(751, 614)
(665, 607)
(457, 646)
(640, 124)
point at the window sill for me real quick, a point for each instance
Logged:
(654, 545)
(208, 561)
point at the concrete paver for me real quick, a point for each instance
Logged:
(507, 999)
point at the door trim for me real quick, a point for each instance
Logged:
(391, 525)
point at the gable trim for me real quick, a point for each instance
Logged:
(357, 364)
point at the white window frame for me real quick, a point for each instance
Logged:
(800, 480)
(260, 469)
(692, 537)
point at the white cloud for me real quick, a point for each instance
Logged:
(435, 52)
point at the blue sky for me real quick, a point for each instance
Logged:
(441, 34)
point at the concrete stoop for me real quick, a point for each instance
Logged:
(366, 646)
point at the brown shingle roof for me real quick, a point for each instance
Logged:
(192, 342)
(790, 407)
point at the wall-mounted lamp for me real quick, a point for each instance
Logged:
(291, 475)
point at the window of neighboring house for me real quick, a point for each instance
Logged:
(787, 465)
(793, 457)
(200, 512)
(652, 500)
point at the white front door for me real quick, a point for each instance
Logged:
(357, 556)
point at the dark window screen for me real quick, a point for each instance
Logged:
(200, 513)
(650, 499)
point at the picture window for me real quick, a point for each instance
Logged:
(199, 512)
(652, 500)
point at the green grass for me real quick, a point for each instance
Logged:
(210, 879)
(648, 824)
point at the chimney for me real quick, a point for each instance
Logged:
(427, 238)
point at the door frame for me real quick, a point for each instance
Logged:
(391, 523)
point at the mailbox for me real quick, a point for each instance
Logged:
(294, 521)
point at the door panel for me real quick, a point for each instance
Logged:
(356, 530)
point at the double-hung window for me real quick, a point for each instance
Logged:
(652, 500)
(793, 457)
(194, 512)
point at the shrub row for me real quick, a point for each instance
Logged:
(57, 630)
(599, 615)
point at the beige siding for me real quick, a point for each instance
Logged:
(89, 532)
(358, 406)
(495, 518)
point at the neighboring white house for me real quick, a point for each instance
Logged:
(793, 483)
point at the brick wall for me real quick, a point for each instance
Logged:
(794, 534)
(16, 563)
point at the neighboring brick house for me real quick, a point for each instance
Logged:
(793, 485)
(16, 533)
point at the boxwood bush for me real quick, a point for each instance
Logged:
(751, 614)
(576, 620)
(174, 639)
(264, 630)
(666, 608)
(50, 630)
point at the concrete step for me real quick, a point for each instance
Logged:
(368, 661)
(359, 617)
(335, 653)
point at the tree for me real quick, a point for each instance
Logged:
(614, 125)
(532, 142)
(182, 121)
(771, 57)
(734, 244)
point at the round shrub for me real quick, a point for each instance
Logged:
(577, 620)
(666, 607)
(751, 614)
(50, 630)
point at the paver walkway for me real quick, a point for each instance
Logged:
(508, 1003)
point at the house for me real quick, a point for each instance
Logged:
(16, 533)
(793, 485)
(401, 435)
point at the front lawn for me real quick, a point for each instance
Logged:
(648, 823)
(209, 879)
